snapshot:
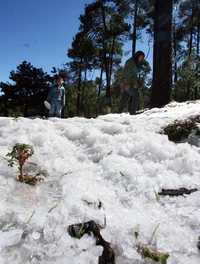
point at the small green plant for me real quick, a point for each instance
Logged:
(148, 252)
(18, 156)
(180, 130)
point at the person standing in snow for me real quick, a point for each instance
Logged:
(56, 97)
(131, 83)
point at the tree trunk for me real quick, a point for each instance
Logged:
(105, 50)
(100, 82)
(198, 36)
(78, 102)
(134, 37)
(175, 53)
(83, 92)
(191, 30)
(190, 42)
(190, 47)
(198, 51)
(162, 61)
(111, 60)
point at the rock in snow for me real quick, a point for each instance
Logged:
(118, 161)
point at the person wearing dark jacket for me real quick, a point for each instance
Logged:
(56, 98)
(130, 83)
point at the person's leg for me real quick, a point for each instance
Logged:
(124, 102)
(134, 104)
(52, 110)
(63, 112)
(58, 110)
(137, 100)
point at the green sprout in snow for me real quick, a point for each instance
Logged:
(149, 253)
(18, 156)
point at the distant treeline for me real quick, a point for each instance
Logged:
(173, 29)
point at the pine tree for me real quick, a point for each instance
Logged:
(107, 28)
(188, 84)
(162, 64)
(29, 90)
(138, 13)
(83, 55)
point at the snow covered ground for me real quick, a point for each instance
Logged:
(120, 160)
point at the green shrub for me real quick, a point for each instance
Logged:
(180, 130)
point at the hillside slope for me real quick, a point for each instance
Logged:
(119, 161)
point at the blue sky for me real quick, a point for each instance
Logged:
(39, 31)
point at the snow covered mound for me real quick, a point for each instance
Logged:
(119, 161)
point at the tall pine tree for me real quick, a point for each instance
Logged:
(162, 59)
